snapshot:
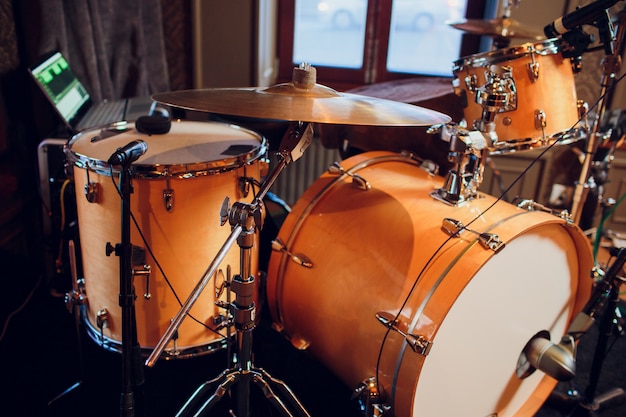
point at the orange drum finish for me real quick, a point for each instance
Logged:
(179, 185)
(381, 251)
(544, 102)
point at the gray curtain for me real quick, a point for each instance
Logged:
(115, 47)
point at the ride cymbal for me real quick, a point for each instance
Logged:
(305, 101)
(501, 27)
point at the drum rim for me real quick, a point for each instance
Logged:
(543, 48)
(181, 171)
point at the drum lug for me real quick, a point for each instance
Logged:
(168, 199)
(418, 343)
(540, 119)
(102, 321)
(533, 70)
(357, 180)
(300, 259)
(91, 190)
(470, 82)
(76, 297)
(244, 185)
(453, 228)
(583, 112)
(368, 396)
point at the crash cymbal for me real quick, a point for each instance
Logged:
(305, 101)
(501, 27)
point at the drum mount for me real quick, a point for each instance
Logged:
(468, 148)
(245, 219)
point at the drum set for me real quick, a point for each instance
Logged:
(408, 285)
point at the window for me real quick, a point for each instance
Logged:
(356, 42)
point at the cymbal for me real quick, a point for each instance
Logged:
(305, 102)
(501, 27)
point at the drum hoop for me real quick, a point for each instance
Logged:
(419, 311)
(181, 171)
(544, 48)
(387, 157)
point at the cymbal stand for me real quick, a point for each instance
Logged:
(245, 219)
(611, 65)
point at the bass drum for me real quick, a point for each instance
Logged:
(179, 185)
(347, 253)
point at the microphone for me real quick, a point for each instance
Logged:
(555, 360)
(586, 15)
(129, 153)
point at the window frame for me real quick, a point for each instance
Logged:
(375, 46)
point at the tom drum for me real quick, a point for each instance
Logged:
(179, 185)
(542, 103)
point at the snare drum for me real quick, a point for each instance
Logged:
(179, 185)
(381, 251)
(543, 106)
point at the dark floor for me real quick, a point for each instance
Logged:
(41, 357)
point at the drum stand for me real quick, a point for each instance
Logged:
(245, 219)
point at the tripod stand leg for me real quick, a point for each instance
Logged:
(224, 381)
(263, 380)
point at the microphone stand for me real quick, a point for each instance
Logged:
(603, 304)
(245, 219)
(589, 402)
(611, 65)
(132, 373)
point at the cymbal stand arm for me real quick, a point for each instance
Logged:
(611, 65)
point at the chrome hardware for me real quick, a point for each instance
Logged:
(532, 205)
(91, 190)
(357, 180)
(144, 270)
(419, 344)
(453, 228)
(540, 119)
(168, 193)
(102, 321)
(533, 69)
(76, 297)
(303, 260)
(499, 94)
(368, 396)
(470, 82)
(583, 113)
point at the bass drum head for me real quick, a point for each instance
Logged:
(382, 251)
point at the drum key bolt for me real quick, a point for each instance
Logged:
(419, 344)
(303, 260)
(357, 180)
(168, 193)
(454, 227)
(533, 69)
(76, 297)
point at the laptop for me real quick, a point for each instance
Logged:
(72, 101)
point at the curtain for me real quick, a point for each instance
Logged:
(115, 47)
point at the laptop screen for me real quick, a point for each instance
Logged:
(58, 82)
